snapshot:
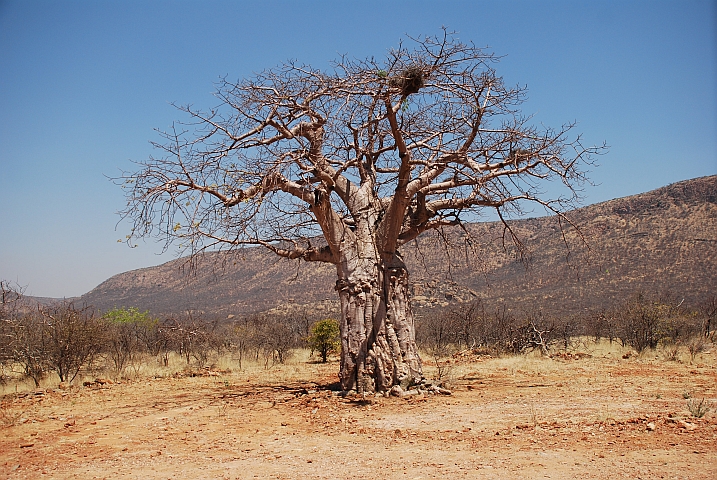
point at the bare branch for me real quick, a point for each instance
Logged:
(375, 151)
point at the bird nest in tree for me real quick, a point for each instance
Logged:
(410, 81)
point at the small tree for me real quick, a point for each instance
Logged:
(9, 301)
(191, 336)
(324, 338)
(71, 338)
(30, 346)
(645, 322)
(127, 329)
(708, 312)
(368, 156)
(164, 339)
(274, 336)
(641, 325)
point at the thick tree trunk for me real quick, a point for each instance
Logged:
(378, 342)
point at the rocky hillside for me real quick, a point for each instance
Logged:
(658, 242)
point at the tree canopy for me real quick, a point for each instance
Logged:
(418, 141)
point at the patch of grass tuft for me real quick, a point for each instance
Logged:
(698, 409)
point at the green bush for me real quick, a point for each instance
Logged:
(324, 338)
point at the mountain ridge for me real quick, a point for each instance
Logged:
(658, 241)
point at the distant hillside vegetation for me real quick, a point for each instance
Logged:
(657, 242)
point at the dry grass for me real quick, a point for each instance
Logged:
(594, 415)
(301, 367)
(9, 416)
(698, 408)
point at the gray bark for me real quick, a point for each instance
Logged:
(378, 343)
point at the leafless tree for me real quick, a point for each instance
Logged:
(190, 336)
(71, 338)
(274, 336)
(163, 340)
(59, 337)
(30, 346)
(708, 311)
(10, 296)
(367, 155)
(128, 333)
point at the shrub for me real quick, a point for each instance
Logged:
(640, 327)
(604, 324)
(191, 337)
(324, 338)
(708, 312)
(74, 338)
(59, 337)
(473, 326)
(9, 301)
(276, 337)
(698, 409)
(127, 332)
(29, 347)
(645, 322)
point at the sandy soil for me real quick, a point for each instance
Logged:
(598, 416)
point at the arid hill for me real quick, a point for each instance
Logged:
(663, 241)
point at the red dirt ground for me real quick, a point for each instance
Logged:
(593, 417)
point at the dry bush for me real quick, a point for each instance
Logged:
(9, 300)
(643, 321)
(696, 345)
(603, 324)
(436, 335)
(495, 331)
(647, 321)
(269, 337)
(708, 313)
(191, 337)
(30, 347)
(127, 332)
(275, 338)
(71, 338)
(698, 409)
(60, 338)
(640, 325)
(9, 415)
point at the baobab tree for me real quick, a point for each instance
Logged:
(348, 165)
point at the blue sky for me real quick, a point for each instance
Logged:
(84, 83)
